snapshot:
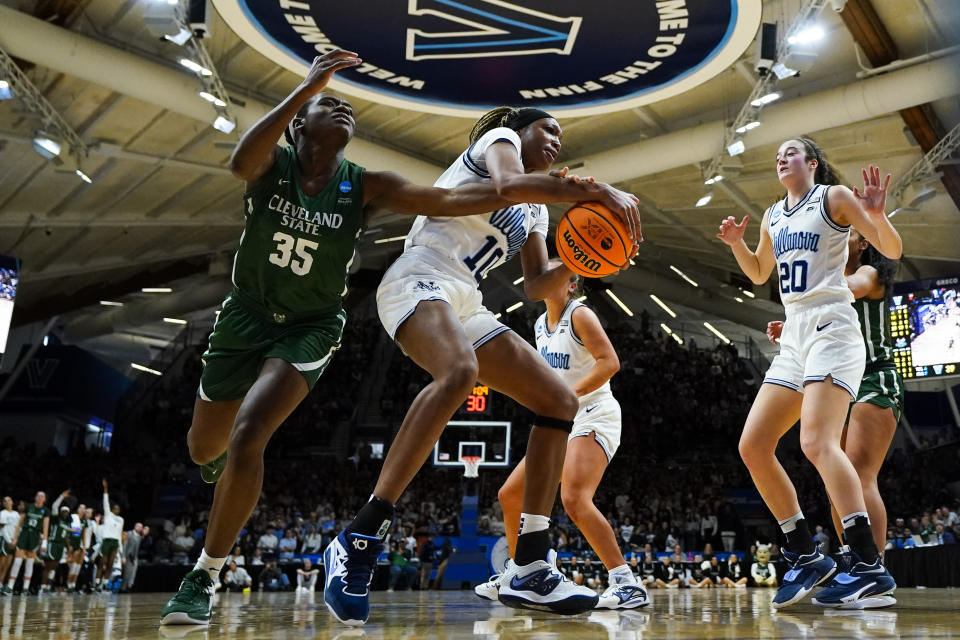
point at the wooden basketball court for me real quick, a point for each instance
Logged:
(727, 613)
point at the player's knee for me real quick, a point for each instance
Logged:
(561, 404)
(815, 447)
(460, 378)
(511, 496)
(248, 438)
(575, 502)
(201, 452)
(753, 453)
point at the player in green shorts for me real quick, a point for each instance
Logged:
(876, 412)
(56, 546)
(33, 526)
(75, 546)
(305, 205)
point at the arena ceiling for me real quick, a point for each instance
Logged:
(162, 208)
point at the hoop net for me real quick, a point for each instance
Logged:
(471, 466)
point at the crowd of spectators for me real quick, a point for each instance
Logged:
(668, 490)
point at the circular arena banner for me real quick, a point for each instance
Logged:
(462, 57)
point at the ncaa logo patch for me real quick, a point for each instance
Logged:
(572, 57)
(345, 187)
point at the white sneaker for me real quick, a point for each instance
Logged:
(540, 585)
(491, 588)
(624, 594)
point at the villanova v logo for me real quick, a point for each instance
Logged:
(496, 28)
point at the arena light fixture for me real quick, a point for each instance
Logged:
(392, 239)
(705, 200)
(753, 124)
(180, 37)
(663, 305)
(738, 299)
(514, 306)
(783, 72)
(632, 263)
(224, 125)
(581, 298)
(111, 303)
(683, 275)
(83, 176)
(140, 367)
(5, 91)
(749, 294)
(156, 290)
(196, 68)
(766, 99)
(807, 35)
(174, 321)
(619, 302)
(677, 338)
(714, 179)
(209, 97)
(712, 329)
(46, 146)
(518, 280)
(496, 316)
(666, 329)
(736, 147)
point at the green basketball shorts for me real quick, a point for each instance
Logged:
(29, 540)
(884, 389)
(244, 337)
(108, 546)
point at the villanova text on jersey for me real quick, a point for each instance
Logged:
(300, 219)
(796, 241)
(510, 222)
(556, 360)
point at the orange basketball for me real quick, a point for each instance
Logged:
(592, 241)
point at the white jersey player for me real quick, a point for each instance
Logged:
(430, 303)
(572, 341)
(821, 361)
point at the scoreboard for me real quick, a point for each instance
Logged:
(478, 402)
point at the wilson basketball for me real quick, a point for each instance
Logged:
(592, 241)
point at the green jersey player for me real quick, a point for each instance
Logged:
(34, 524)
(304, 206)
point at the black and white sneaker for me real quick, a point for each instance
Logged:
(626, 593)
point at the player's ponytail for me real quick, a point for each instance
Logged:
(812, 151)
(886, 268)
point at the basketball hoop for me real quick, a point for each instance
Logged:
(471, 466)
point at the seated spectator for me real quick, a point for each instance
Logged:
(287, 546)
(402, 572)
(236, 556)
(735, 575)
(307, 577)
(236, 578)
(666, 575)
(268, 543)
(648, 569)
(272, 579)
(696, 574)
(942, 536)
(677, 558)
(312, 542)
(256, 559)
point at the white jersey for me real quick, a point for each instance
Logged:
(112, 525)
(476, 244)
(811, 251)
(9, 520)
(565, 353)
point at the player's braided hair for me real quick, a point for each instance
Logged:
(824, 174)
(886, 268)
(491, 120)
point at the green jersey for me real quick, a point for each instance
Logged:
(59, 531)
(34, 519)
(873, 325)
(296, 249)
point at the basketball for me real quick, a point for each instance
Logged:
(592, 241)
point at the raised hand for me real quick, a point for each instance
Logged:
(731, 233)
(873, 198)
(104, 485)
(325, 66)
(774, 330)
(624, 206)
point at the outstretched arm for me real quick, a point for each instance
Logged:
(539, 278)
(865, 212)
(389, 191)
(756, 265)
(256, 151)
(865, 283)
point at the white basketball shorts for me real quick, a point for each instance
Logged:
(600, 416)
(420, 274)
(820, 341)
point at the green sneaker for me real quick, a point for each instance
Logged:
(211, 471)
(191, 604)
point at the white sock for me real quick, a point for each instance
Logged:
(790, 524)
(14, 572)
(620, 574)
(531, 523)
(51, 575)
(28, 572)
(848, 520)
(211, 565)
